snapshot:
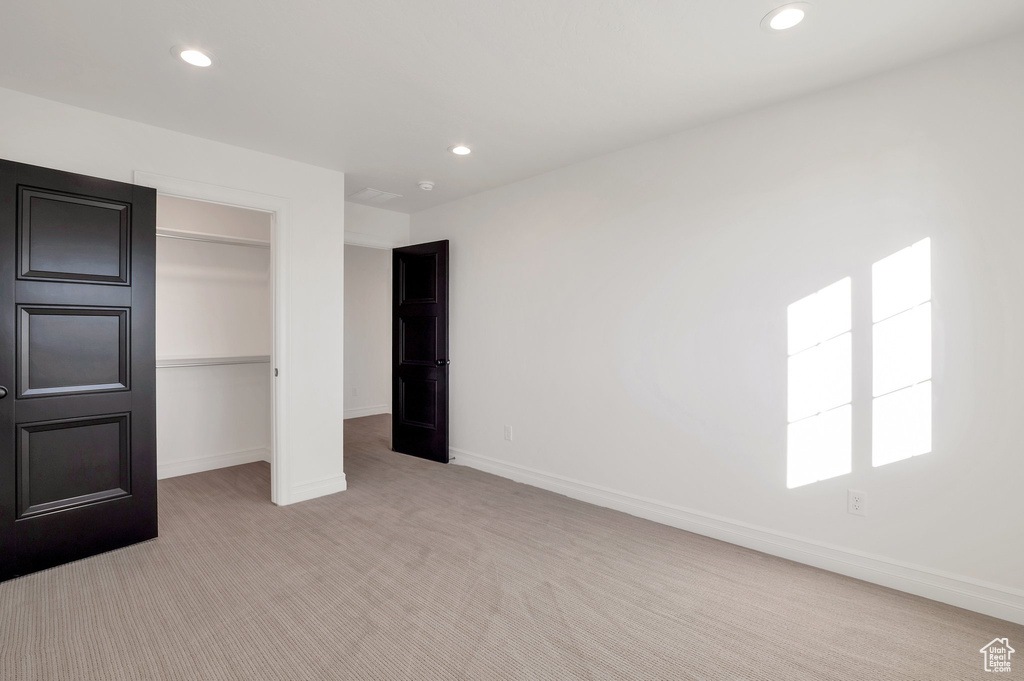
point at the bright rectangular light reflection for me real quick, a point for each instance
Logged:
(903, 350)
(820, 369)
(820, 378)
(819, 447)
(819, 316)
(902, 424)
(902, 355)
(901, 281)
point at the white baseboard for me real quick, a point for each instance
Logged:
(990, 599)
(173, 469)
(317, 488)
(360, 412)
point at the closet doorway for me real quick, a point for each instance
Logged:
(278, 210)
(214, 336)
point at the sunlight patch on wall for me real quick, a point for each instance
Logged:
(820, 386)
(902, 355)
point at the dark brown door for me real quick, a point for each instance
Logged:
(77, 341)
(419, 373)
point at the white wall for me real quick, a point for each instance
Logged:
(212, 218)
(212, 416)
(213, 301)
(375, 227)
(627, 316)
(50, 134)
(367, 331)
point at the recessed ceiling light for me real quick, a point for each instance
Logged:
(460, 150)
(193, 56)
(785, 17)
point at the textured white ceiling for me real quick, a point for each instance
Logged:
(380, 88)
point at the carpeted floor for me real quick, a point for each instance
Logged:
(425, 571)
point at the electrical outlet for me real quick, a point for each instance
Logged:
(508, 433)
(856, 501)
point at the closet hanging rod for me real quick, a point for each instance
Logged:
(211, 238)
(210, 361)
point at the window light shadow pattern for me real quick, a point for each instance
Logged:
(818, 443)
(820, 370)
(901, 355)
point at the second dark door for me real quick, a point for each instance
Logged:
(419, 375)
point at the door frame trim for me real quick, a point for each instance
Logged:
(279, 208)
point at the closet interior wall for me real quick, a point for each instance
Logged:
(213, 336)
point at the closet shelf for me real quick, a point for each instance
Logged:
(178, 362)
(211, 238)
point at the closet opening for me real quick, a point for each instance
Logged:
(214, 339)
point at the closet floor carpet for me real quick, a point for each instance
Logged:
(425, 571)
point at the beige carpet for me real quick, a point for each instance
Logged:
(425, 571)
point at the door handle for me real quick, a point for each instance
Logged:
(443, 362)
(3, 392)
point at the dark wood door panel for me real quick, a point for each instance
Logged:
(72, 462)
(52, 539)
(420, 351)
(72, 238)
(418, 400)
(74, 406)
(66, 350)
(77, 355)
(417, 340)
(417, 278)
(56, 293)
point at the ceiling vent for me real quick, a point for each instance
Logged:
(371, 195)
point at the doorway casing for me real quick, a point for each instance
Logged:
(278, 207)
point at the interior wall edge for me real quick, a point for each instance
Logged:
(963, 592)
